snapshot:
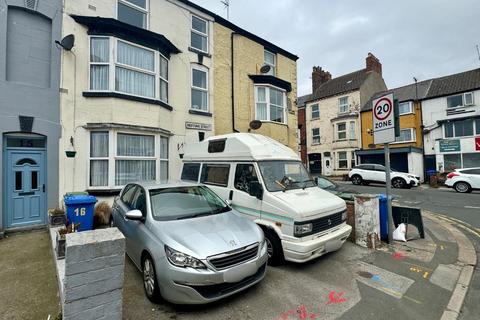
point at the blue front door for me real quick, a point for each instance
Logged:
(25, 188)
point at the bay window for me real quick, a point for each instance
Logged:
(270, 104)
(352, 130)
(118, 158)
(135, 159)
(99, 63)
(135, 70)
(199, 34)
(134, 12)
(342, 131)
(199, 89)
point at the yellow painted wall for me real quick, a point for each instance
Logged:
(248, 58)
(406, 121)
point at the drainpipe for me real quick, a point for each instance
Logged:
(232, 35)
(421, 128)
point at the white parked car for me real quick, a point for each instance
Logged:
(367, 173)
(464, 180)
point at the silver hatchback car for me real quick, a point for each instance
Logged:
(191, 247)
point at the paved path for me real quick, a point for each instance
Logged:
(28, 287)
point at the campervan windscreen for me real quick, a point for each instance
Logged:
(285, 175)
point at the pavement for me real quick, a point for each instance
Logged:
(28, 285)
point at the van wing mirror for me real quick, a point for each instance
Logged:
(134, 215)
(256, 190)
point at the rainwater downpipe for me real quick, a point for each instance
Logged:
(232, 36)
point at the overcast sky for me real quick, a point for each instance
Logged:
(412, 38)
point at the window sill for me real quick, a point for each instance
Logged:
(313, 119)
(109, 94)
(274, 122)
(200, 113)
(400, 142)
(200, 52)
(406, 114)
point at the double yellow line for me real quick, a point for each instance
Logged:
(462, 224)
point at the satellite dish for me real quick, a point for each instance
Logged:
(265, 69)
(255, 124)
(67, 42)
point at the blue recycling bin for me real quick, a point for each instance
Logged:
(383, 203)
(80, 210)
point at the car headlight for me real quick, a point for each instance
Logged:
(182, 260)
(344, 215)
(263, 245)
(301, 229)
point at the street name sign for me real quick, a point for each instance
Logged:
(383, 119)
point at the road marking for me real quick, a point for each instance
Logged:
(411, 299)
(464, 225)
(470, 207)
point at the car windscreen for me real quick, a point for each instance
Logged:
(325, 183)
(285, 175)
(185, 202)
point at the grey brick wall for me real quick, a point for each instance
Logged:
(94, 271)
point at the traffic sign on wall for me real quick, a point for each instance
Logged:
(383, 119)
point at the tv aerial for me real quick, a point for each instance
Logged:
(226, 3)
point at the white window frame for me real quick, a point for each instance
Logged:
(267, 98)
(412, 134)
(318, 111)
(160, 57)
(273, 70)
(410, 107)
(192, 87)
(345, 160)
(316, 136)
(464, 98)
(109, 63)
(112, 156)
(113, 44)
(145, 10)
(341, 131)
(207, 28)
(352, 130)
(345, 105)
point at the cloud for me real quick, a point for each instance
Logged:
(427, 38)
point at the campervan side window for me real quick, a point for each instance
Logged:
(215, 174)
(190, 171)
(216, 146)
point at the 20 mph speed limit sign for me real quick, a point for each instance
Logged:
(383, 120)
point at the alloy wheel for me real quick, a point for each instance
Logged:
(461, 187)
(148, 277)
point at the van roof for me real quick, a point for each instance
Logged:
(240, 147)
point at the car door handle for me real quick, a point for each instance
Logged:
(43, 188)
(230, 196)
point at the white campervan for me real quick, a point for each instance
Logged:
(266, 182)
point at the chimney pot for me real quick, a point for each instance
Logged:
(373, 64)
(319, 77)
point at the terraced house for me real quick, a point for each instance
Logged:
(332, 116)
(145, 78)
(406, 153)
(136, 87)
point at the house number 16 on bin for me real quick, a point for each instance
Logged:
(80, 211)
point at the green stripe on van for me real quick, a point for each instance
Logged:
(258, 214)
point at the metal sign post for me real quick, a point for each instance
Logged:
(384, 132)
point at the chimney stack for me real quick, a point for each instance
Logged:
(319, 77)
(373, 64)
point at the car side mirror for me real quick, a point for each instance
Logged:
(256, 190)
(134, 215)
